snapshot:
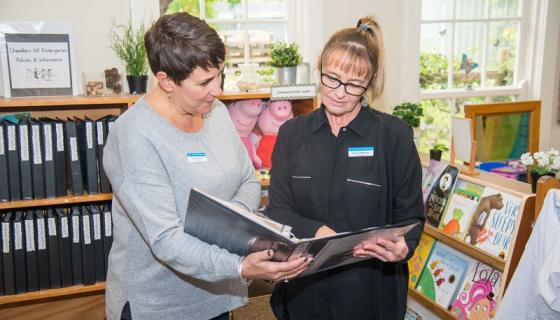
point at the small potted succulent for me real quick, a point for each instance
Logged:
(128, 44)
(437, 150)
(285, 57)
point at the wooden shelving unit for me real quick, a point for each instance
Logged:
(55, 201)
(438, 310)
(51, 293)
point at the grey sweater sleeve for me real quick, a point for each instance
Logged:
(142, 186)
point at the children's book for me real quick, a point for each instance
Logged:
(418, 260)
(429, 176)
(461, 207)
(443, 274)
(478, 293)
(439, 195)
(493, 222)
(412, 315)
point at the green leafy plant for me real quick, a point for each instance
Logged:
(284, 55)
(409, 113)
(128, 44)
(440, 146)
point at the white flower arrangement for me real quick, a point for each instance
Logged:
(542, 162)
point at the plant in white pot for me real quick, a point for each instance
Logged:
(285, 57)
(128, 44)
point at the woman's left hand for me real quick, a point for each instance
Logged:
(382, 249)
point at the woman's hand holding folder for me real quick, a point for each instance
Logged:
(258, 265)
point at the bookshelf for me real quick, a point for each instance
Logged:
(81, 300)
(520, 236)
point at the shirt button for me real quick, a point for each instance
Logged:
(344, 129)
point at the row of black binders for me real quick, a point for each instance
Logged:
(47, 158)
(54, 247)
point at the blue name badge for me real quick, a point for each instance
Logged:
(355, 152)
(196, 157)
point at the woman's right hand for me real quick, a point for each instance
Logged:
(258, 265)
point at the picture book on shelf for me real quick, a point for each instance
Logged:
(493, 222)
(411, 314)
(439, 195)
(418, 260)
(429, 176)
(443, 274)
(461, 207)
(478, 293)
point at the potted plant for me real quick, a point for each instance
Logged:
(540, 164)
(128, 44)
(410, 113)
(285, 57)
(437, 150)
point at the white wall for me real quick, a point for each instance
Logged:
(91, 23)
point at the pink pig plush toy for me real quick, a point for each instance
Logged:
(270, 120)
(244, 114)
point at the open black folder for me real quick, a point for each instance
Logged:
(239, 231)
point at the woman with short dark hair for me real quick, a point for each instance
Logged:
(175, 138)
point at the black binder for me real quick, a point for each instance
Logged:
(73, 164)
(42, 251)
(107, 231)
(88, 263)
(65, 240)
(98, 249)
(4, 183)
(25, 159)
(12, 152)
(48, 135)
(31, 252)
(53, 247)
(60, 158)
(7, 254)
(102, 130)
(87, 143)
(76, 242)
(20, 268)
(2, 291)
(37, 167)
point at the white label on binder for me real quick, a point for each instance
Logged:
(96, 226)
(6, 237)
(108, 224)
(1, 140)
(74, 149)
(36, 140)
(87, 230)
(64, 226)
(18, 241)
(47, 133)
(24, 142)
(29, 236)
(59, 137)
(99, 133)
(41, 240)
(52, 227)
(89, 135)
(11, 138)
(76, 229)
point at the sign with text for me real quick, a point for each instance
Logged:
(292, 92)
(38, 64)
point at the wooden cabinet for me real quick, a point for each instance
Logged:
(83, 302)
(519, 238)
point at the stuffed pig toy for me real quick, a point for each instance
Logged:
(245, 114)
(270, 120)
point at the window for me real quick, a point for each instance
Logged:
(469, 53)
(247, 27)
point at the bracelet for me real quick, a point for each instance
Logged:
(244, 280)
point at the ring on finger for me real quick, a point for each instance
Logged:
(286, 279)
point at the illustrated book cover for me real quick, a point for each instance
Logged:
(461, 207)
(418, 260)
(439, 195)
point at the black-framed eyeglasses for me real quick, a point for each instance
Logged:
(350, 88)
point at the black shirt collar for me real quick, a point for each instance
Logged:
(359, 124)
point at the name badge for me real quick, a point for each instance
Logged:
(355, 152)
(196, 157)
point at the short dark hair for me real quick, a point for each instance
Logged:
(179, 43)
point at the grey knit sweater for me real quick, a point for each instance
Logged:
(163, 272)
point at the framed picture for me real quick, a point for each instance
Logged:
(37, 59)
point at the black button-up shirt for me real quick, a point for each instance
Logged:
(368, 175)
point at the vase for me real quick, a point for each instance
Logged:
(436, 154)
(137, 84)
(286, 75)
(535, 176)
